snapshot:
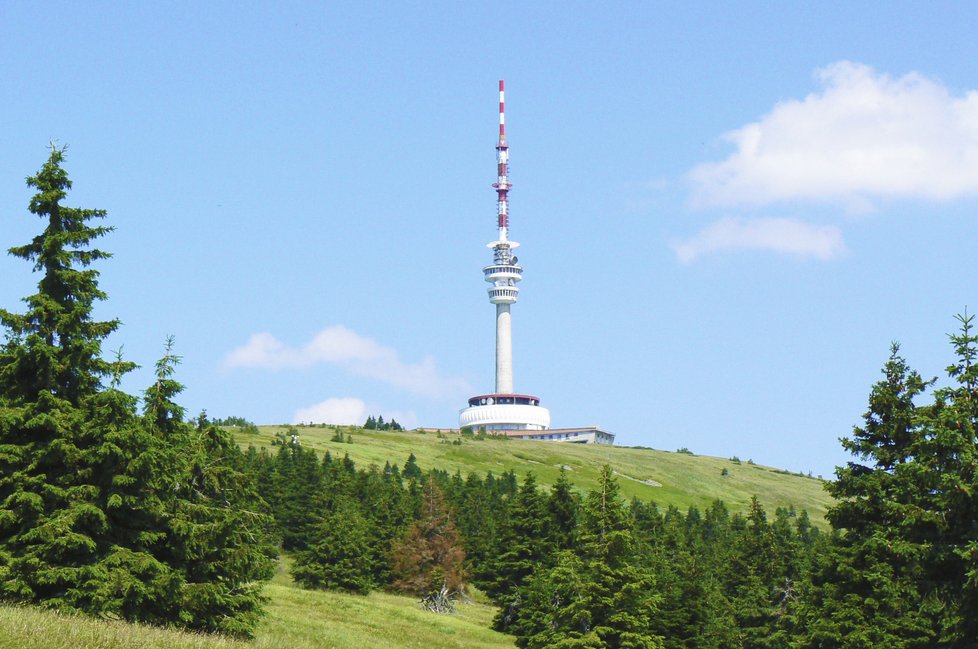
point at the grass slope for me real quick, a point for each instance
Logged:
(667, 478)
(295, 618)
(302, 619)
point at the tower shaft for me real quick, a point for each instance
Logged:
(504, 350)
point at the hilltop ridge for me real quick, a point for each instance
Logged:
(682, 479)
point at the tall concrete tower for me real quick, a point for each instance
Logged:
(503, 409)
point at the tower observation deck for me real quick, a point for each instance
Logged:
(503, 409)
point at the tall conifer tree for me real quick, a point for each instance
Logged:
(525, 546)
(563, 506)
(340, 557)
(599, 595)
(101, 510)
(869, 590)
(51, 369)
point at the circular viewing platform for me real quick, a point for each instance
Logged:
(498, 272)
(495, 412)
(503, 294)
(490, 399)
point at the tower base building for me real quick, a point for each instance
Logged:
(503, 412)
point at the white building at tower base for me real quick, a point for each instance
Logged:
(504, 412)
(585, 435)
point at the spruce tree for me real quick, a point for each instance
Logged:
(563, 506)
(137, 464)
(869, 590)
(430, 556)
(411, 468)
(389, 513)
(218, 532)
(687, 564)
(598, 596)
(51, 370)
(525, 546)
(102, 510)
(477, 512)
(946, 461)
(752, 577)
(296, 497)
(340, 558)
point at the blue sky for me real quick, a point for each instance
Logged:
(726, 211)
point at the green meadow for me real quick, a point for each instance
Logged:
(300, 619)
(294, 619)
(667, 478)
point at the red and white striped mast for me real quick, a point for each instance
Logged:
(502, 184)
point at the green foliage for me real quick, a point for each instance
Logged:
(478, 509)
(867, 591)
(51, 520)
(220, 537)
(102, 510)
(755, 573)
(296, 480)
(379, 424)
(525, 545)
(599, 595)
(238, 422)
(411, 469)
(563, 507)
(689, 557)
(288, 437)
(341, 557)
(716, 580)
(900, 573)
(663, 476)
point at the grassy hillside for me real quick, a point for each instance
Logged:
(303, 619)
(296, 618)
(667, 478)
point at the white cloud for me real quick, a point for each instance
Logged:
(358, 354)
(264, 350)
(346, 411)
(863, 135)
(349, 411)
(788, 236)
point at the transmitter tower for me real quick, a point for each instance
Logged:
(504, 409)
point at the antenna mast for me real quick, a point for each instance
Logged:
(502, 183)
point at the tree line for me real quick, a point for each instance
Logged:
(592, 568)
(378, 423)
(121, 506)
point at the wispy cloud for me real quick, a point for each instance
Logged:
(862, 135)
(788, 236)
(357, 354)
(349, 411)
